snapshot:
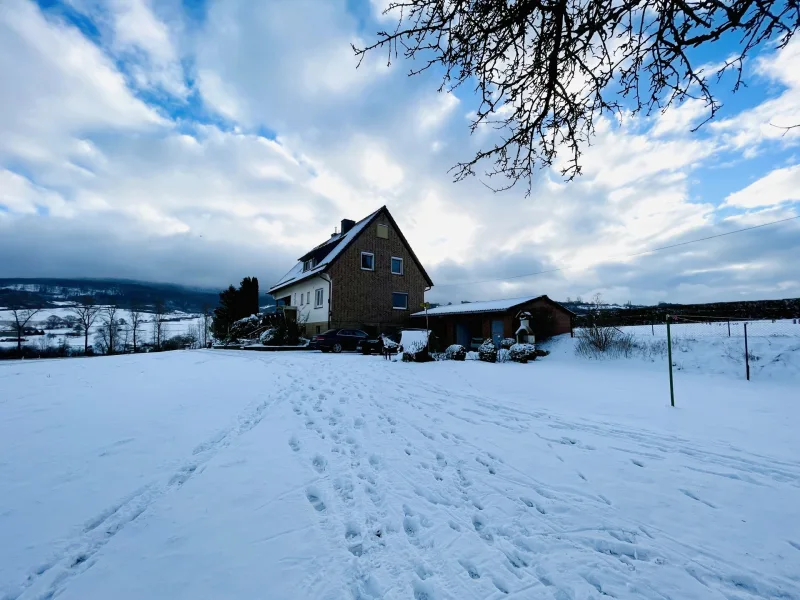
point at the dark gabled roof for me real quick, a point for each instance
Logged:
(326, 252)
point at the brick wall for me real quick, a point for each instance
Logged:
(364, 298)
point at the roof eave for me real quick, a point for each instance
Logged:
(305, 276)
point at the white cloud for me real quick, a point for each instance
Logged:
(762, 123)
(19, 196)
(777, 187)
(137, 29)
(64, 87)
(379, 170)
(196, 202)
(380, 8)
(433, 113)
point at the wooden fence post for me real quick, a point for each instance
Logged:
(669, 358)
(746, 354)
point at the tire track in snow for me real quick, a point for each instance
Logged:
(79, 555)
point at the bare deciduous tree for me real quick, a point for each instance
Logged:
(206, 323)
(85, 311)
(22, 314)
(159, 317)
(109, 332)
(545, 70)
(137, 318)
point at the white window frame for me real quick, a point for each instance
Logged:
(400, 307)
(402, 265)
(319, 294)
(372, 254)
(308, 265)
(302, 297)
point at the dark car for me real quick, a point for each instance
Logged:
(336, 340)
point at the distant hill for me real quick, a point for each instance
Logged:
(47, 291)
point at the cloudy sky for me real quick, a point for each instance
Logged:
(199, 142)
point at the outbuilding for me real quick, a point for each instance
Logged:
(469, 323)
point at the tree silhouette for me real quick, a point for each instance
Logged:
(545, 70)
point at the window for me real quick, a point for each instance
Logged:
(397, 266)
(308, 297)
(368, 261)
(383, 231)
(318, 298)
(308, 264)
(318, 328)
(302, 295)
(400, 300)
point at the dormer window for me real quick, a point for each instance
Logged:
(308, 265)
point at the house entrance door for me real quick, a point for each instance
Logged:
(462, 335)
(497, 332)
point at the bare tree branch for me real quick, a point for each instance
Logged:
(544, 71)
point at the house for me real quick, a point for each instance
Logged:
(470, 323)
(366, 277)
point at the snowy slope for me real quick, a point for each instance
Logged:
(712, 348)
(224, 474)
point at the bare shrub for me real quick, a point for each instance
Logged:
(606, 342)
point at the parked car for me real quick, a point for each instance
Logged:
(336, 340)
(378, 345)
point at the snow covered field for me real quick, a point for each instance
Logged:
(228, 474)
(181, 325)
(717, 349)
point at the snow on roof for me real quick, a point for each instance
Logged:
(475, 307)
(297, 274)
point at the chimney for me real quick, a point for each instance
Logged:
(347, 225)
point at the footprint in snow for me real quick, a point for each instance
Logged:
(294, 443)
(471, 569)
(315, 498)
(486, 464)
(319, 463)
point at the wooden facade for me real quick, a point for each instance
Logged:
(467, 328)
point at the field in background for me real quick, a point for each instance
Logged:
(717, 348)
(178, 323)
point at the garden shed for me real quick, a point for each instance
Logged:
(469, 323)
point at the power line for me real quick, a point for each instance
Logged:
(711, 237)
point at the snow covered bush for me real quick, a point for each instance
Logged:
(487, 352)
(522, 353)
(503, 355)
(267, 336)
(507, 343)
(416, 351)
(455, 352)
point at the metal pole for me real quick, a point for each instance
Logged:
(669, 357)
(746, 354)
(729, 328)
(653, 328)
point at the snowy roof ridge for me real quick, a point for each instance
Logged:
(297, 274)
(476, 307)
